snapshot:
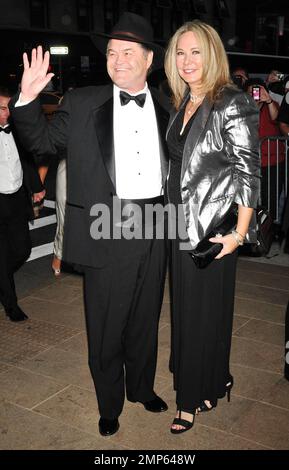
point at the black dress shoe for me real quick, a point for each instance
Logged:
(16, 314)
(108, 427)
(157, 405)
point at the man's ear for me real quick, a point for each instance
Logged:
(150, 58)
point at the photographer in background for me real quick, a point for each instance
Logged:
(268, 126)
(275, 85)
(240, 77)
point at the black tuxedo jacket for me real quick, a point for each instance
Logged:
(83, 125)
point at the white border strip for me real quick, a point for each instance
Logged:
(42, 250)
(48, 203)
(42, 222)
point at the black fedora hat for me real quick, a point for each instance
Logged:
(134, 28)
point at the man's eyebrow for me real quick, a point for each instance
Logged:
(123, 50)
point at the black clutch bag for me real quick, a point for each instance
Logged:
(206, 251)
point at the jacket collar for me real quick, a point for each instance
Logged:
(162, 122)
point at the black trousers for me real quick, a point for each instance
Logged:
(15, 243)
(202, 318)
(122, 304)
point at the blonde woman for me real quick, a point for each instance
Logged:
(214, 169)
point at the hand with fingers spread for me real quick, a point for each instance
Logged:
(35, 76)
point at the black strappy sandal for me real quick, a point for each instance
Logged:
(204, 407)
(229, 387)
(182, 422)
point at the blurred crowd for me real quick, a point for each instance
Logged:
(271, 94)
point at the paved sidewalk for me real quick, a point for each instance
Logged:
(47, 399)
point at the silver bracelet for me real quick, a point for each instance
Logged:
(238, 237)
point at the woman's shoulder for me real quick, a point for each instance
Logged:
(231, 95)
(230, 92)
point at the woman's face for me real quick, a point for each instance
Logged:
(189, 60)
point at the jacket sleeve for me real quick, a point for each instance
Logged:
(38, 135)
(31, 176)
(241, 121)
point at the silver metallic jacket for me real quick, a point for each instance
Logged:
(221, 164)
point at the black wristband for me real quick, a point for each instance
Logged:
(269, 102)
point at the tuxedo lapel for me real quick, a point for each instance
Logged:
(103, 119)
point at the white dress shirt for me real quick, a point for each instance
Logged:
(11, 174)
(136, 147)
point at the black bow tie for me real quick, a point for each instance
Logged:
(125, 98)
(7, 129)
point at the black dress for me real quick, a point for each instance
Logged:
(202, 307)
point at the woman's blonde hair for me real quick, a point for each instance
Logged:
(216, 73)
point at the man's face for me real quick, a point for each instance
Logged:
(273, 76)
(128, 64)
(4, 110)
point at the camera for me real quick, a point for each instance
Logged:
(256, 92)
(280, 76)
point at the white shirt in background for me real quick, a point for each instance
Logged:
(11, 174)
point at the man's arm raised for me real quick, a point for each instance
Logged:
(37, 135)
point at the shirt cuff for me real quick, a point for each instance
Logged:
(21, 103)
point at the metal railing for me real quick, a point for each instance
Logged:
(281, 152)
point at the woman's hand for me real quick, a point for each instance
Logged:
(264, 95)
(229, 243)
(35, 76)
(37, 197)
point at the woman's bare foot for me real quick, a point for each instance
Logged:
(56, 266)
(208, 405)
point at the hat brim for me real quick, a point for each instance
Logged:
(100, 41)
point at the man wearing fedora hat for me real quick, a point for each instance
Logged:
(115, 141)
